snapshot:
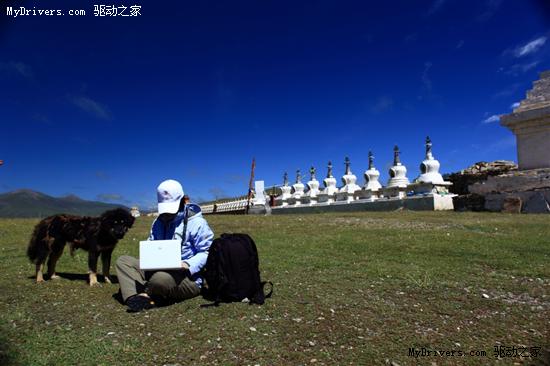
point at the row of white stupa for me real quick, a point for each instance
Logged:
(429, 182)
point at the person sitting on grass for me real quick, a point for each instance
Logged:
(143, 290)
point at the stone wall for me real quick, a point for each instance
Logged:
(500, 187)
(478, 172)
(526, 191)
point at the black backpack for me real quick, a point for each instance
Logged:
(232, 271)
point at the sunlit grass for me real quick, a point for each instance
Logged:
(357, 288)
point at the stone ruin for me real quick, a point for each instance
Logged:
(528, 188)
(530, 122)
(479, 172)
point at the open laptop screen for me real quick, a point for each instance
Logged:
(159, 254)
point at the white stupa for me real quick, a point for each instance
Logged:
(372, 185)
(282, 200)
(297, 189)
(397, 184)
(312, 188)
(350, 187)
(398, 172)
(429, 168)
(328, 194)
(430, 181)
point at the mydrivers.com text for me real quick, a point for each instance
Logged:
(26, 11)
(499, 351)
(98, 10)
(425, 352)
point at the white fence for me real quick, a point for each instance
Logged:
(236, 206)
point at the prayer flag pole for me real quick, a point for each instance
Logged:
(250, 184)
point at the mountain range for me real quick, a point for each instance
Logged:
(29, 203)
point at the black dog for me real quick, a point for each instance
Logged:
(97, 235)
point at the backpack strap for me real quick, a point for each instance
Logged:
(260, 296)
(263, 283)
(184, 233)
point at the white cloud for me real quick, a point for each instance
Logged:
(530, 47)
(91, 106)
(109, 197)
(382, 104)
(101, 175)
(492, 119)
(425, 78)
(39, 117)
(514, 105)
(18, 68)
(528, 66)
(509, 91)
(518, 69)
(490, 9)
(504, 144)
(411, 37)
(436, 5)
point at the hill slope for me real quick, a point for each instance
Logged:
(28, 203)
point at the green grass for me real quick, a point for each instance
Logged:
(358, 288)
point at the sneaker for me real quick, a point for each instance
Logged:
(138, 303)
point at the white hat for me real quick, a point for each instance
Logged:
(169, 194)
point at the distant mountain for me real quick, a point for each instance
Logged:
(28, 203)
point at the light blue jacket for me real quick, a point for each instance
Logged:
(197, 242)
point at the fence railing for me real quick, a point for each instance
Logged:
(237, 206)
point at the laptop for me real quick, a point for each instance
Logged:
(159, 254)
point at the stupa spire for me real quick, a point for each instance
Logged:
(429, 154)
(396, 159)
(329, 172)
(371, 160)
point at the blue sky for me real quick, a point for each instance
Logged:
(107, 107)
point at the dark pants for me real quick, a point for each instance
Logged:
(170, 284)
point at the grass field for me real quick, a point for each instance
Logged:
(358, 288)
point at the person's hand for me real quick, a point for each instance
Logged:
(184, 265)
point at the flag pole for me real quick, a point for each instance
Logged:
(250, 184)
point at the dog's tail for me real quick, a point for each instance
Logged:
(38, 247)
